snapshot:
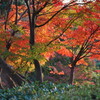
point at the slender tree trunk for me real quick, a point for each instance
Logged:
(36, 62)
(32, 32)
(71, 75)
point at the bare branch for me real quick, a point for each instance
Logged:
(68, 5)
(8, 10)
(37, 12)
(22, 15)
(16, 11)
(64, 30)
(86, 46)
(29, 13)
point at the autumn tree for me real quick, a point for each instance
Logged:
(32, 17)
(83, 40)
(35, 10)
(85, 50)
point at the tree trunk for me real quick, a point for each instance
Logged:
(32, 43)
(8, 77)
(38, 69)
(32, 24)
(71, 75)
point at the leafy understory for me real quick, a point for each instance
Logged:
(51, 91)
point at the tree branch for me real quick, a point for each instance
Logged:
(37, 12)
(29, 13)
(64, 30)
(55, 14)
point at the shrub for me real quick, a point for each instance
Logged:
(51, 91)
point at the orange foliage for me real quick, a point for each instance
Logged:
(55, 27)
(12, 16)
(82, 61)
(65, 52)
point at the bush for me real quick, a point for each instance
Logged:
(51, 91)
